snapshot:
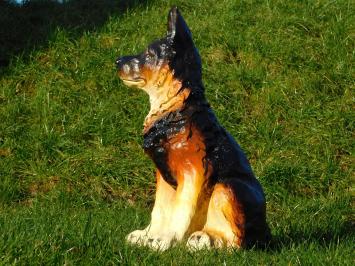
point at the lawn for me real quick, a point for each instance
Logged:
(74, 180)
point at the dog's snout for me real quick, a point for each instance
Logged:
(123, 61)
(119, 62)
(122, 64)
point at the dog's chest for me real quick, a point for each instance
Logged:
(159, 143)
(159, 135)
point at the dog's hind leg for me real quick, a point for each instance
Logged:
(223, 217)
(235, 217)
(163, 205)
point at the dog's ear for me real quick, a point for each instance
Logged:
(178, 31)
(186, 61)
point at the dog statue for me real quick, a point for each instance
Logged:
(206, 191)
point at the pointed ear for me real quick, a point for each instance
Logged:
(178, 31)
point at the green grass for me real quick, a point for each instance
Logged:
(74, 179)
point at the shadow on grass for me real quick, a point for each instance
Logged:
(321, 237)
(30, 26)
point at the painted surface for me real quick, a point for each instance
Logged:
(206, 190)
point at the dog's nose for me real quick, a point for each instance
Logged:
(118, 62)
(124, 61)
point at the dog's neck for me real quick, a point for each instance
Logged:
(163, 100)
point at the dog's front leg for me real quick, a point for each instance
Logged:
(183, 209)
(160, 217)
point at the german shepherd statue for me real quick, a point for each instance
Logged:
(206, 191)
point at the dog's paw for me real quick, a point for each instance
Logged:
(199, 240)
(137, 237)
(160, 243)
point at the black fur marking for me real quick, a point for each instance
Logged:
(186, 62)
(156, 138)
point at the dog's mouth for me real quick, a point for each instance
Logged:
(138, 82)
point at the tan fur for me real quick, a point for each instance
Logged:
(164, 94)
(163, 90)
(223, 208)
